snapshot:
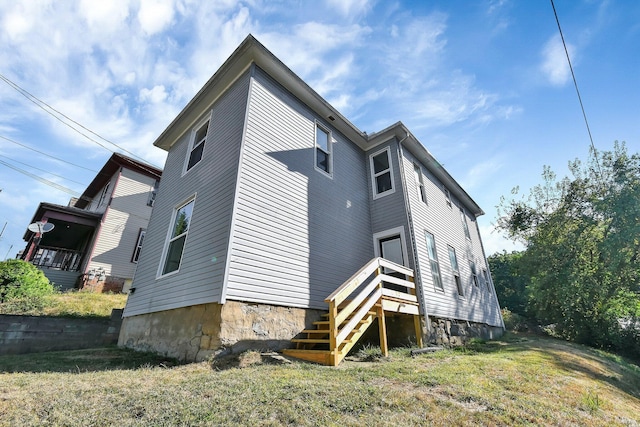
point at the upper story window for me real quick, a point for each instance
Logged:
(474, 273)
(196, 144)
(422, 193)
(433, 260)
(136, 251)
(177, 237)
(152, 194)
(381, 173)
(465, 225)
(447, 196)
(455, 270)
(324, 159)
(103, 194)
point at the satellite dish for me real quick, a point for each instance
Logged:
(41, 227)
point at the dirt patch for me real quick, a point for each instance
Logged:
(247, 359)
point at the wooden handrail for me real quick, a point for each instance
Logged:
(372, 279)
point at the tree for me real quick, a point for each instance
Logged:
(509, 281)
(582, 239)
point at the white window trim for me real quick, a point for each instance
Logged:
(318, 125)
(421, 189)
(381, 235)
(138, 248)
(374, 187)
(447, 197)
(435, 248)
(168, 238)
(192, 138)
(456, 273)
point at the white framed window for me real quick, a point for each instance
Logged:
(465, 224)
(485, 275)
(447, 196)
(103, 194)
(196, 144)
(474, 273)
(455, 270)
(177, 236)
(136, 251)
(381, 173)
(422, 192)
(323, 152)
(433, 261)
(153, 193)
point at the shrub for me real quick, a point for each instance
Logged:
(23, 284)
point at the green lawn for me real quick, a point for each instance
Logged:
(521, 380)
(71, 304)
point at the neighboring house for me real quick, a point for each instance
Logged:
(97, 238)
(271, 200)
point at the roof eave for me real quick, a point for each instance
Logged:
(251, 51)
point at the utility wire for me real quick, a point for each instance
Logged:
(575, 84)
(42, 180)
(45, 154)
(42, 170)
(38, 102)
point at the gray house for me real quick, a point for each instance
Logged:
(275, 209)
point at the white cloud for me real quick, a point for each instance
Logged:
(105, 16)
(350, 8)
(155, 95)
(155, 15)
(554, 64)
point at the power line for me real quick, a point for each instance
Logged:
(38, 102)
(45, 154)
(575, 84)
(42, 170)
(42, 180)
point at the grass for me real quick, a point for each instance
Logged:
(72, 304)
(520, 380)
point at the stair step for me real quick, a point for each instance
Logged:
(315, 340)
(311, 340)
(315, 331)
(318, 356)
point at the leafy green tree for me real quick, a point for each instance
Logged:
(509, 280)
(22, 282)
(582, 239)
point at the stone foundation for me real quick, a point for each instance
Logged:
(200, 332)
(206, 331)
(450, 332)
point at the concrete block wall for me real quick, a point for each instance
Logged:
(34, 334)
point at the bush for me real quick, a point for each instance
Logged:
(22, 284)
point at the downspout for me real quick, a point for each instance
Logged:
(407, 208)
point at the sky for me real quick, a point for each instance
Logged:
(484, 84)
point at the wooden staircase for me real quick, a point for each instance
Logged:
(353, 307)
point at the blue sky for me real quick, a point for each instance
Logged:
(483, 84)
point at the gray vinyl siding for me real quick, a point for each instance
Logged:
(121, 223)
(212, 181)
(298, 234)
(444, 222)
(389, 211)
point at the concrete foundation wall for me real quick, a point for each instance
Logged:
(199, 332)
(34, 334)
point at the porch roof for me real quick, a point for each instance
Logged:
(66, 213)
